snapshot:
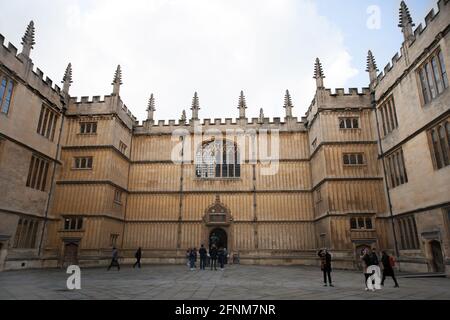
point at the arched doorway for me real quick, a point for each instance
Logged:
(436, 254)
(219, 237)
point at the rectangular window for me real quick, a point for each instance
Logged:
(6, 91)
(73, 223)
(349, 123)
(439, 142)
(88, 127)
(396, 170)
(318, 196)
(388, 116)
(37, 173)
(432, 76)
(361, 223)
(408, 233)
(113, 239)
(118, 196)
(26, 233)
(122, 147)
(83, 162)
(47, 123)
(353, 159)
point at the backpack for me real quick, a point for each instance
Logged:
(392, 261)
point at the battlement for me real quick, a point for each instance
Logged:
(24, 68)
(100, 104)
(435, 21)
(340, 92)
(166, 127)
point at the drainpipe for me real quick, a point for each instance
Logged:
(386, 185)
(52, 185)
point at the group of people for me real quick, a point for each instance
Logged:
(368, 259)
(211, 258)
(115, 259)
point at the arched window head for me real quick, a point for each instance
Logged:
(217, 159)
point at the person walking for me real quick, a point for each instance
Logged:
(115, 259)
(203, 253)
(138, 256)
(213, 256)
(187, 254)
(388, 263)
(221, 257)
(366, 262)
(325, 266)
(225, 256)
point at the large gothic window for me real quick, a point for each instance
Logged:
(217, 159)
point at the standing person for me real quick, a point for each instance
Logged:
(388, 263)
(138, 256)
(195, 258)
(213, 256)
(202, 252)
(366, 262)
(374, 258)
(225, 256)
(221, 257)
(192, 259)
(115, 259)
(188, 252)
(325, 266)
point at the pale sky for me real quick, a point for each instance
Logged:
(172, 48)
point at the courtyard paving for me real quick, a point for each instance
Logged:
(236, 282)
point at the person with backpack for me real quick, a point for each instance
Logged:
(115, 259)
(221, 257)
(138, 256)
(388, 263)
(325, 266)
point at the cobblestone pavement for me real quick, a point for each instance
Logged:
(234, 283)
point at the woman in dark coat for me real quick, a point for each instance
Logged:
(325, 265)
(388, 271)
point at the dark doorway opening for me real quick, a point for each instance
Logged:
(438, 259)
(218, 237)
(70, 254)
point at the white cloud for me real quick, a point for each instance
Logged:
(175, 47)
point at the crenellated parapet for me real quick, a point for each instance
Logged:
(22, 69)
(167, 127)
(423, 36)
(96, 105)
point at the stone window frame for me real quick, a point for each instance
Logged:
(85, 125)
(439, 144)
(118, 196)
(4, 94)
(38, 171)
(348, 123)
(396, 171)
(359, 157)
(47, 123)
(432, 67)
(73, 223)
(78, 163)
(364, 226)
(388, 113)
(409, 237)
(26, 233)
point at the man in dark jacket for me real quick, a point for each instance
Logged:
(203, 253)
(221, 257)
(374, 258)
(213, 255)
(325, 265)
(138, 256)
(388, 270)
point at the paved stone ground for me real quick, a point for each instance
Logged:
(235, 283)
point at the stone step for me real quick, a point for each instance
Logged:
(422, 275)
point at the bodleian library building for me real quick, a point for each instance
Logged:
(364, 168)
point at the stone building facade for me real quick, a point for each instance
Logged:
(363, 168)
